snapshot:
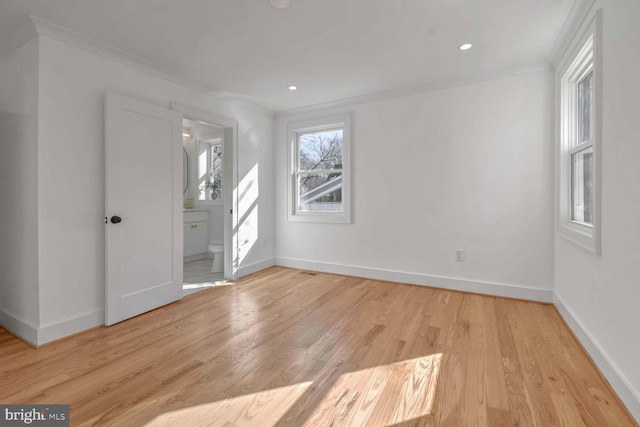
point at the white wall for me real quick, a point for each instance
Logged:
(602, 293)
(18, 188)
(462, 168)
(73, 82)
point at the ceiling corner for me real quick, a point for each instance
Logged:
(576, 15)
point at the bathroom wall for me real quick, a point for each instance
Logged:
(19, 301)
(73, 82)
(599, 294)
(467, 167)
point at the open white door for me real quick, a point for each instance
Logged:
(143, 218)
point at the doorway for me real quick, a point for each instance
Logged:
(210, 199)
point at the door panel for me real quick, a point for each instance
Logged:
(144, 187)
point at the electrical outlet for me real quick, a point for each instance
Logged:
(460, 255)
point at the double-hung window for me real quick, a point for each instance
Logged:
(578, 75)
(319, 170)
(210, 169)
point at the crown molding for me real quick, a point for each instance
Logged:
(579, 12)
(420, 88)
(64, 35)
(16, 36)
(243, 101)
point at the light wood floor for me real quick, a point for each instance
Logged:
(287, 348)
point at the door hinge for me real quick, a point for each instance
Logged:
(231, 211)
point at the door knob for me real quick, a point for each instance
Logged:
(116, 219)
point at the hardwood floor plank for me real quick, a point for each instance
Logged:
(525, 333)
(284, 347)
(519, 403)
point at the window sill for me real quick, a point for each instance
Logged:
(328, 218)
(580, 235)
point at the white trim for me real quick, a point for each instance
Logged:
(418, 89)
(452, 283)
(579, 12)
(64, 35)
(13, 38)
(620, 384)
(196, 257)
(73, 325)
(26, 331)
(243, 101)
(336, 121)
(230, 189)
(586, 43)
(254, 267)
(54, 331)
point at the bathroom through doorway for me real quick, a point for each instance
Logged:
(209, 180)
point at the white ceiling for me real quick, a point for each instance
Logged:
(331, 49)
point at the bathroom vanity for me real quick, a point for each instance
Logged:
(196, 232)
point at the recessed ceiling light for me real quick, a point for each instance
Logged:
(280, 4)
(465, 46)
(293, 87)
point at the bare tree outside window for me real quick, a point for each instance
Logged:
(320, 171)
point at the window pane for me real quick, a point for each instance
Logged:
(582, 186)
(320, 192)
(320, 150)
(210, 171)
(215, 177)
(585, 98)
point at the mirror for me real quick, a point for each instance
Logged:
(185, 171)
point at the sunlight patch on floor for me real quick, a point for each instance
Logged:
(364, 397)
(262, 409)
(190, 288)
(206, 285)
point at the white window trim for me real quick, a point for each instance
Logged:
(586, 46)
(293, 129)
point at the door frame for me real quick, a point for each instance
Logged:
(230, 186)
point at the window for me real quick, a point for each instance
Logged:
(210, 169)
(319, 170)
(578, 76)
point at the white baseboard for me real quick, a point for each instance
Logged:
(480, 287)
(19, 328)
(70, 326)
(245, 270)
(623, 388)
(196, 257)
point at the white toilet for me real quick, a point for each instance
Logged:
(216, 247)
